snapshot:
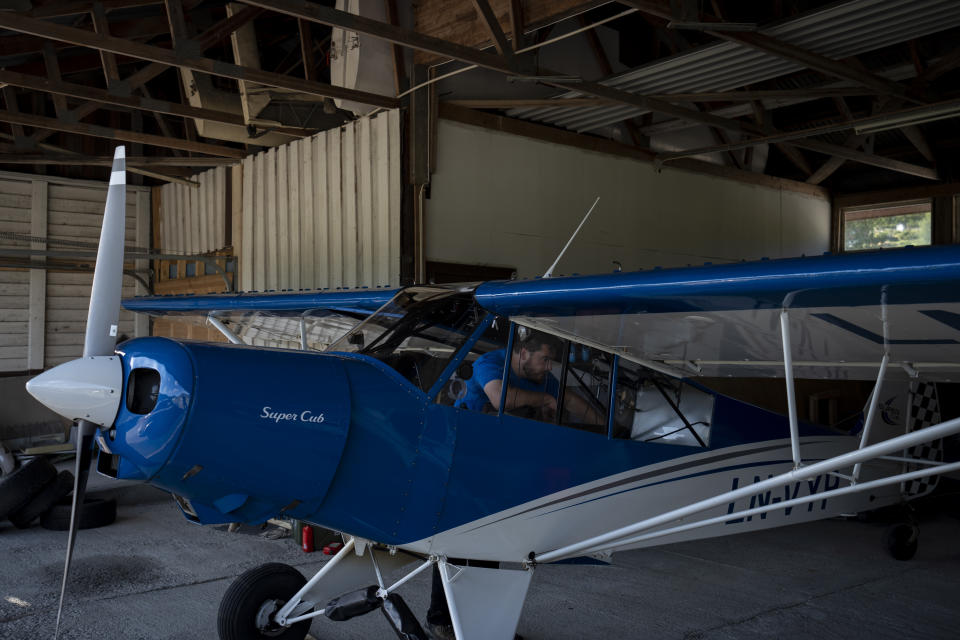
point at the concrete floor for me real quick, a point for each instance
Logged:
(153, 575)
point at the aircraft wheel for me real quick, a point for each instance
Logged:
(247, 608)
(901, 540)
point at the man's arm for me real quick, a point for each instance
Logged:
(517, 398)
(580, 410)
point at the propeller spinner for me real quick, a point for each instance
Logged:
(89, 390)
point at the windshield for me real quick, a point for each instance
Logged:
(417, 333)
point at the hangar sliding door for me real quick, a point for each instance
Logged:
(323, 211)
(43, 310)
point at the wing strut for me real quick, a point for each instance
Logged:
(628, 534)
(791, 395)
(871, 413)
(222, 328)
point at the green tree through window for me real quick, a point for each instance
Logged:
(879, 227)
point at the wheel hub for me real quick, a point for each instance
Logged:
(264, 620)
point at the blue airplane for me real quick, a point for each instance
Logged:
(525, 422)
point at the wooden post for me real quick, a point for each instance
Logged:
(37, 322)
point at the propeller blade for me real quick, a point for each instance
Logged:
(103, 318)
(85, 433)
(104, 312)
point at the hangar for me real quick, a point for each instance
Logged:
(354, 148)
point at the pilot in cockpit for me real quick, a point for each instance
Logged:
(532, 389)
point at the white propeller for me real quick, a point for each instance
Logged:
(88, 390)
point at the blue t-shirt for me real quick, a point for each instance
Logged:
(489, 367)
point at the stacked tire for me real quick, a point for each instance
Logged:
(36, 490)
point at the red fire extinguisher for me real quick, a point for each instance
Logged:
(307, 541)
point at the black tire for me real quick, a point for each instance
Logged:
(901, 540)
(261, 590)
(56, 489)
(19, 487)
(94, 512)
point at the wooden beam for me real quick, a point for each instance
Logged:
(493, 27)
(391, 33)
(110, 69)
(93, 94)
(399, 73)
(53, 76)
(306, 50)
(895, 195)
(792, 154)
(59, 9)
(196, 63)
(406, 37)
(8, 157)
(868, 158)
(98, 131)
(207, 39)
(10, 98)
(513, 103)
(516, 23)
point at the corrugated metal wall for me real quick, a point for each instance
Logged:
(43, 313)
(323, 211)
(193, 220)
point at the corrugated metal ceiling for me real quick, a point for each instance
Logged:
(839, 31)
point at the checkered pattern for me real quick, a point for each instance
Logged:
(924, 412)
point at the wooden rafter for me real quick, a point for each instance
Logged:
(80, 37)
(106, 161)
(98, 131)
(489, 20)
(516, 23)
(494, 62)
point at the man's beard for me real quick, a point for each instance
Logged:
(532, 376)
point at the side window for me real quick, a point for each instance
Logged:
(586, 390)
(651, 407)
(484, 362)
(533, 385)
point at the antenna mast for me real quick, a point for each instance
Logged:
(562, 251)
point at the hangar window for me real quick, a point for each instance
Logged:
(895, 224)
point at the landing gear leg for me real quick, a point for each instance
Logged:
(248, 607)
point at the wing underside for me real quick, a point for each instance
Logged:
(845, 313)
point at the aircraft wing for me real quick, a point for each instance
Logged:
(273, 319)
(845, 311)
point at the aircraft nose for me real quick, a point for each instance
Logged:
(88, 388)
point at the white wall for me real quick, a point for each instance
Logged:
(506, 200)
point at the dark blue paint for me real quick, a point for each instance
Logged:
(906, 276)
(948, 318)
(876, 337)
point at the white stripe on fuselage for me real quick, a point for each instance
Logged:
(619, 500)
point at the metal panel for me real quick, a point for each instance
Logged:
(329, 205)
(837, 31)
(193, 219)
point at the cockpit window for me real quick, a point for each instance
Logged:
(652, 407)
(417, 333)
